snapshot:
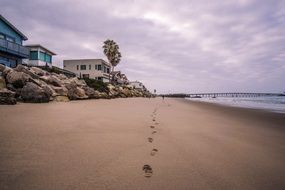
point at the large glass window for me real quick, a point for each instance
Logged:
(42, 56)
(96, 67)
(99, 67)
(89, 67)
(82, 67)
(10, 39)
(48, 58)
(34, 55)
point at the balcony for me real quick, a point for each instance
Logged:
(15, 49)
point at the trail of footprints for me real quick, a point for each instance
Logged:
(147, 169)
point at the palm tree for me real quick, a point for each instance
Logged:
(111, 50)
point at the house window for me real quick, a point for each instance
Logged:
(2, 36)
(47, 58)
(96, 67)
(42, 56)
(82, 67)
(34, 55)
(108, 70)
(99, 67)
(100, 78)
(89, 67)
(86, 76)
(104, 69)
(77, 67)
(10, 39)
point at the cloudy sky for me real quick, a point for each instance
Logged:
(169, 45)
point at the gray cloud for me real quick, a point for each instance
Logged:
(172, 46)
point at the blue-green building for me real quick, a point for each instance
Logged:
(12, 50)
(40, 56)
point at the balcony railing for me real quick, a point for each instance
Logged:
(15, 49)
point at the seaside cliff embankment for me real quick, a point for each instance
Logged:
(35, 85)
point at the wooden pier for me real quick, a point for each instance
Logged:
(228, 94)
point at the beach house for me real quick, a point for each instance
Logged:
(39, 56)
(119, 78)
(137, 85)
(12, 50)
(89, 68)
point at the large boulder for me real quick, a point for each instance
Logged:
(126, 92)
(61, 91)
(2, 83)
(2, 68)
(75, 92)
(49, 90)
(61, 99)
(75, 81)
(34, 93)
(62, 77)
(38, 71)
(17, 79)
(52, 79)
(24, 69)
(7, 97)
(90, 92)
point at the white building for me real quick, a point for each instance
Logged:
(137, 85)
(89, 68)
(39, 56)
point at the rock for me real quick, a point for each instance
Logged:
(54, 80)
(34, 93)
(49, 90)
(2, 83)
(38, 71)
(61, 99)
(6, 71)
(24, 69)
(62, 77)
(75, 92)
(75, 81)
(126, 92)
(90, 92)
(62, 91)
(17, 79)
(7, 97)
(11, 87)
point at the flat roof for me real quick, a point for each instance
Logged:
(13, 27)
(107, 63)
(40, 46)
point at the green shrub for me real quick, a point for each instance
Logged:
(96, 85)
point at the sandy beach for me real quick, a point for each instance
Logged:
(105, 144)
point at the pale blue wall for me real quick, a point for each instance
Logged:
(7, 30)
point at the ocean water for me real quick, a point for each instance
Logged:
(271, 103)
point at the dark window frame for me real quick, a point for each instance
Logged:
(82, 67)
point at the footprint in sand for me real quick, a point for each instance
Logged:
(153, 119)
(153, 132)
(152, 126)
(150, 139)
(153, 152)
(147, 170)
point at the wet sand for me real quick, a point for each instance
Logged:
(140, 143)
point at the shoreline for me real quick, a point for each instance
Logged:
(263, 114)
(105, 144)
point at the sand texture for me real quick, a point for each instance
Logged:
(140, 143)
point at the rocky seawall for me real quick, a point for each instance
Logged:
(32, 84)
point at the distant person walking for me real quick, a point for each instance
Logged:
(163, 97)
